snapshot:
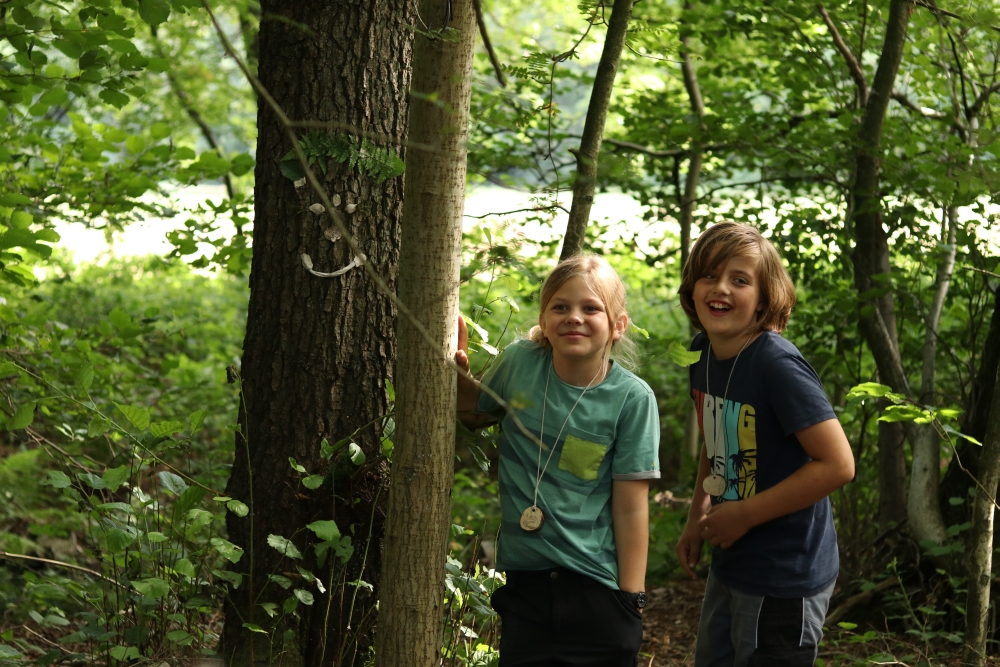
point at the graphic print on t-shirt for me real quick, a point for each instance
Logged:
(730, 433)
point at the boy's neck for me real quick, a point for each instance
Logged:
(726, 347)
(577, 374)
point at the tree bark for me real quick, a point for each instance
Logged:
(423, 461)
(891, 474)
(593, 130)
(871, 252)
(926, 520)
(317, 351)
(981, 541)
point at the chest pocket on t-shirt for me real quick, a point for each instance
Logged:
(581, 457)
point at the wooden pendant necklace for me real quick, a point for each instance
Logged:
(533, 517)
(715, 484)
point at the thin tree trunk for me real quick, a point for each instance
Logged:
(923, 507)
(891, 474)
(981, 541)
(317, 351)
(423, 464)
(593, 130)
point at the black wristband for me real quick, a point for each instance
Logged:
(638, 599)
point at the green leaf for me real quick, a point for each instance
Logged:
(284, 546)
(682, 356)
(184, 568)
(270, 608)
(98, 426)
(160, 131)
(135, 145)
(152, 587)
(114, 98)
(255, 628)
(85, 376)
(195, 420)
(313, 481)
(22, 417)
(92, 480)
(357, 456)
(119, 318)
(124, 653)
(182, 637)
(227, 549)
(282, 581)
(156, 537)
(115, 477)
(8, 369)
(9, 653)
(119, 540)
(138, 416)
(173, 483)
(325, 530)
(238, 508)
(154, 12)
(873, 389)
(847, 626)
(159, 429)
(632, 326)
(58, 480)
(295, 465)
(305, 597)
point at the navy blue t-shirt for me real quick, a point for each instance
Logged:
(774, 392)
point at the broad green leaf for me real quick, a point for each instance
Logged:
(305, 597)
(154, 12)
(156, 537)
(138, 416)
(284, 546)
(9, 653)
(119, 318)
(873, 389)
(229, 551)
(182, 637)
(115, 477)
(313, 481)
(85, 376)
(58, 479)
(22, 417)
(119, 539)
(295, 466)
(124, 653)
(98, 426)
(325, 530)
(357, 456)
(92, 480)
(7, 369)
(255, 628)
(682, 356)
(282, 581)
(238, 508)
(159, 429)
(199, 517)
(152, 587)
(270, 608)
(135, 145)
(195, 420)
(173, 483)
(159, 131)
(184, 568)
(121, 507)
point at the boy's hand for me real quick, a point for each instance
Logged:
(724, 524)
(462, 354)
(689, 548)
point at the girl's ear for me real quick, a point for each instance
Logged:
(541, 324)
(621, 324)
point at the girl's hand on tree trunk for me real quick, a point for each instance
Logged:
(462, 355)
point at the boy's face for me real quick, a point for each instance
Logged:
(727, 300)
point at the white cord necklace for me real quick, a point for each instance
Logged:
(533, 517)
(715, 484)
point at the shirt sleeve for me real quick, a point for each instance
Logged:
(497, 378)
(796, 393)
(637, 442)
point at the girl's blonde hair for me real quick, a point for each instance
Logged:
(718, 244)
(609, 288)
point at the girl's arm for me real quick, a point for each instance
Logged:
(630, 521)
(468, 389)
(831, 467)
(690, 544)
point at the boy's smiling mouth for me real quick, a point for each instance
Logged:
(719, 306)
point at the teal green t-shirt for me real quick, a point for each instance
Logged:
(613, 433)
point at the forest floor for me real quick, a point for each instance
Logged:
(671, 621)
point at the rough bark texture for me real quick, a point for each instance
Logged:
(423, 461)
(926, 520)
(891, 474)
(871, 252)
(317, 351)
(593, 129)
(981, 542)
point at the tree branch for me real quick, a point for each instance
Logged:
(852, 63)
(911, 106)
(477, 5)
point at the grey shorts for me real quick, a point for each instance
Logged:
(743, 630)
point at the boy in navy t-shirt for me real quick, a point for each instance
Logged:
(774, 451)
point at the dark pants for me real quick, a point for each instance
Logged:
(558, 618)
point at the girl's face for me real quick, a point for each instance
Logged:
(576, 323)
(727, 300)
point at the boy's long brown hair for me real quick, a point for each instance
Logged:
(718, 244)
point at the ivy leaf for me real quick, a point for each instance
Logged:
(284, 545)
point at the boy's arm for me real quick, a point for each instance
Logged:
(690, 544)
(831, 467)
(630, 521)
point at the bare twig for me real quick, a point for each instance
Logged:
(59, 563)
(477, 5)
(852, 63)
(533, 209)
(920, 111)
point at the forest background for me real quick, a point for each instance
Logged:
(129, 524)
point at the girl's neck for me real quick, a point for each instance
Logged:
(580, 374)
(726, 348)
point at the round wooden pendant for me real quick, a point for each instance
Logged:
(532, 519)
(714, 485)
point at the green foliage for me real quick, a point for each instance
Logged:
(379, 163)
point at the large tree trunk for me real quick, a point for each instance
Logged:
(317, 351)
(981, 541)
(871, 252)
(423, 461)
(926, 521)
(593, 130)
